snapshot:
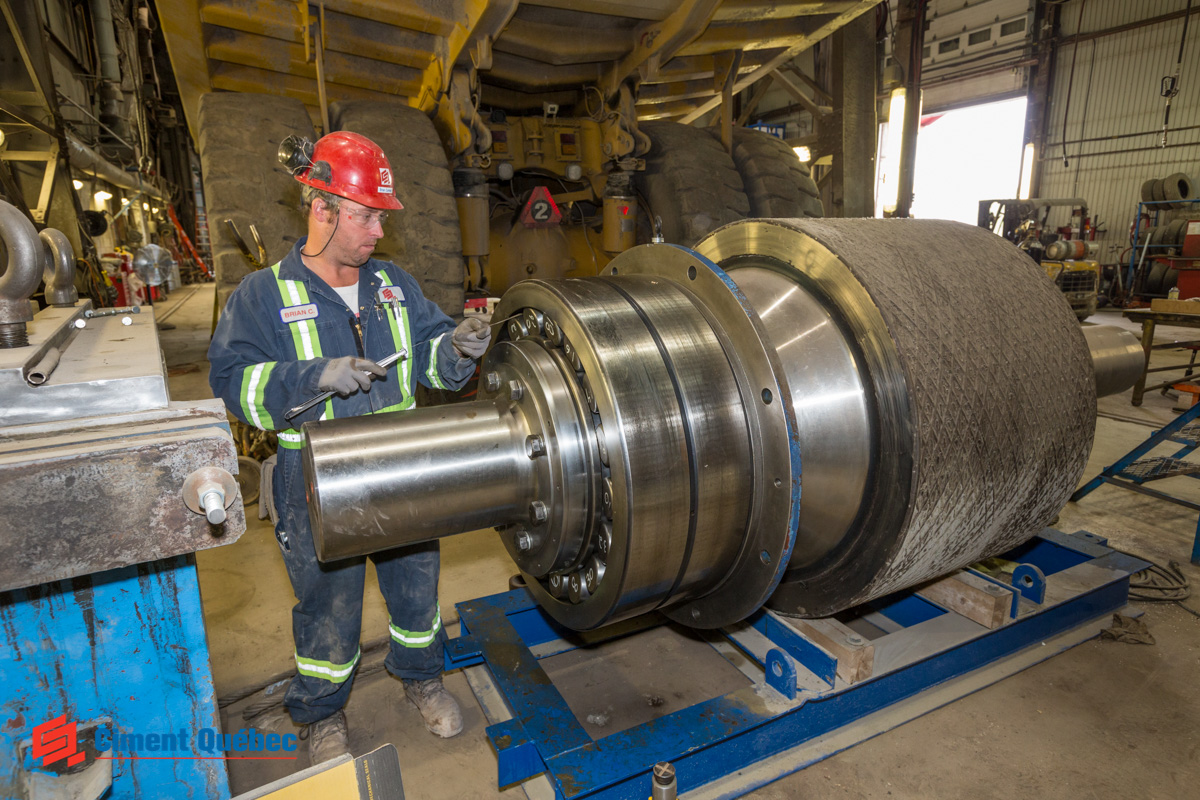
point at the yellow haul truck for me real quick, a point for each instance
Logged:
(528, 137)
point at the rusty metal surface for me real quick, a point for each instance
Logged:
(105, 492)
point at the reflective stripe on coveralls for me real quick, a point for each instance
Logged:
(308, 346)
(417, 638)
(401, 337)
(326, 670)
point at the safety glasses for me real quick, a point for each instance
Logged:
(365, 217)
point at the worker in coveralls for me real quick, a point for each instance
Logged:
(318, 321)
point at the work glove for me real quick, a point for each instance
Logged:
(348, 374)
(471, 337)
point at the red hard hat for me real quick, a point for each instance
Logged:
(357, 170)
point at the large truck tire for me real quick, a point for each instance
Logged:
(238, 142)
(424, 238)
(690, 182)
(777, 183)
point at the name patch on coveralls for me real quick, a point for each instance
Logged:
(298, 313)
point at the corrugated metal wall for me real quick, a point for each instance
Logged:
(1116, 93)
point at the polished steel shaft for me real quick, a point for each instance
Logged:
(806, 413)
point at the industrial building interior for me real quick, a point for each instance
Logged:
(765, 398)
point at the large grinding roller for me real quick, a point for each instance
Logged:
(805, 413)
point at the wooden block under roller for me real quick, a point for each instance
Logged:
(971, 596)
(854, 652)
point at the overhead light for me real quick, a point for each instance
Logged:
(145, 206)
(803, 153)
(77, 184)
(890, 183)
(101, 197)
(1026, 172)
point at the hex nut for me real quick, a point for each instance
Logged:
(515, 390)
(523, 541)
(535, 445)
(538, 513)
(492, 381)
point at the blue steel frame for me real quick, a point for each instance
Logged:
(1083, 579)
(1114, 473)
(125, 650)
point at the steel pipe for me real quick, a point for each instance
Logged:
(791, 414)
(1118, 359)
(89, 162)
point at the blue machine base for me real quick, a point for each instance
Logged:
(795, 709)
(117, 652)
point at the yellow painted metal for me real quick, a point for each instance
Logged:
(264, 52)
(827, 25)
(517, 252)
(437, 75)
(180, 21)
(1083, 300)
(550, 145)
(659, 40)
(236, 78)
(620, 223)
(474, 223)
(343, 33)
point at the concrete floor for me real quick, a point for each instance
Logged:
(1100, 721)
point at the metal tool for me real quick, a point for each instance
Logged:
(93, 313)
(323, 396)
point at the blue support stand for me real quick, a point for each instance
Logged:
(796, 708)
(117, 652)
(1131, 471)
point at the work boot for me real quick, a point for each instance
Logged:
(327, 738)
(438, 707)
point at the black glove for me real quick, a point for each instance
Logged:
(471, 337)
(348, 374)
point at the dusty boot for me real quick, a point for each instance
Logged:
(437, 706)
(327, 738)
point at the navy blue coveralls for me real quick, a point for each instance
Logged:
(275, 336)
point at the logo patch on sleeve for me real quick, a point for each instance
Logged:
(298, 313)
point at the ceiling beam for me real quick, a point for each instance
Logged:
(786, 55)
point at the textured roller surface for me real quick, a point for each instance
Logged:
(1001, 391)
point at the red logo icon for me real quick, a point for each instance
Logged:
(385, 176)
(55, 740)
